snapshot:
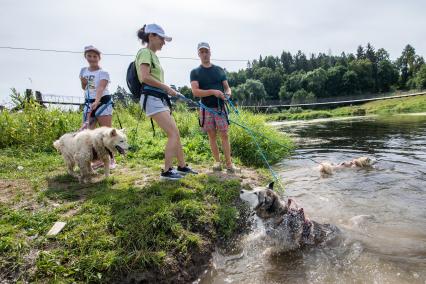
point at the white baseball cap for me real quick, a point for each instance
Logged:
(156, 29)
(203, 45)
(91, 48)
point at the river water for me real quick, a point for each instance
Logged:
(381, 211)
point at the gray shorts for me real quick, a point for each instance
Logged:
(153, 105)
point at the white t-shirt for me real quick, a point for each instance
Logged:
(93, 79)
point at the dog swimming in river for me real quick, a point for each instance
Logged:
(327, 169)
(287, 225)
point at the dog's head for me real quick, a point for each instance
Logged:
(268, 202)
(326, 169)
(364, 162)
(116, 140)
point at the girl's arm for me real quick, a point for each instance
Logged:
(147, 78)
(99, 91)
(83, 83)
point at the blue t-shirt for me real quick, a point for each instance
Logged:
(210, 78)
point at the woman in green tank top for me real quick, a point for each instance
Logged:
(151, 73)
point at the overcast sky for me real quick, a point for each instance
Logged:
(241, 29)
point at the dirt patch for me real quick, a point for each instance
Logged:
(10, 190)
(249, 178)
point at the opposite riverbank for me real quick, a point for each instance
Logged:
(385, 107)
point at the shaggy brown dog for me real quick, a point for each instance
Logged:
(362, 162)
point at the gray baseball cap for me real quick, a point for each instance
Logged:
(91, 48)
(156, 29)
(203, 45)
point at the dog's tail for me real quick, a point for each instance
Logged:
(57, 145)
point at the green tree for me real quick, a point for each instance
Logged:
(186, 91)
(270, 79)
(284, 94)
(370, 54)
(360, 53)
(300, 61)
(237, 78)
(364, 71)
(287, 62)
(314, 81)
(295, 81)
(303, 97)
(252, 91)
(350, 82)
(408, 64)
(334, 85)
(421, 77)
(387, 75)
(121, 96)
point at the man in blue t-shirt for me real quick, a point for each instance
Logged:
(209, 82)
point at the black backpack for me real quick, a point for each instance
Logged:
(133, 82)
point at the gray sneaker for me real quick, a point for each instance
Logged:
(185, 170)
(233, 169)
(171, 174)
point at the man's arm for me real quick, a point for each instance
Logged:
(197, 92)
(227, 88)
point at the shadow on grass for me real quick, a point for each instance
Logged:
(67, 188)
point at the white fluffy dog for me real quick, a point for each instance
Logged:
(83, 147)
(362, 162)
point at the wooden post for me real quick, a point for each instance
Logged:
(28, 94)
(39, 98)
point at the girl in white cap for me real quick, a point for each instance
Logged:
(154, 99)
(98, 102)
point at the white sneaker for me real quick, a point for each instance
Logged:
(217, 167)
(233, 169)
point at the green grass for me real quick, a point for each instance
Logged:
(128, 224)
(384, 107)
(116, 227)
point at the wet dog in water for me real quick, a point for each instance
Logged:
(286, 224)
(362, 162)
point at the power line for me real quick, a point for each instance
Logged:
(112, 54)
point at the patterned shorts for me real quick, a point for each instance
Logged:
(213, 121)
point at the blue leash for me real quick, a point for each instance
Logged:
(250, 131)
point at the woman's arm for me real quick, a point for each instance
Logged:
(147, 78)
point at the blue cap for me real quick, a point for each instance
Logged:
(156, 29)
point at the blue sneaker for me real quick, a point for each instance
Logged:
(171, 174)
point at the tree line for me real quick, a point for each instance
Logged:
(297, 78)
